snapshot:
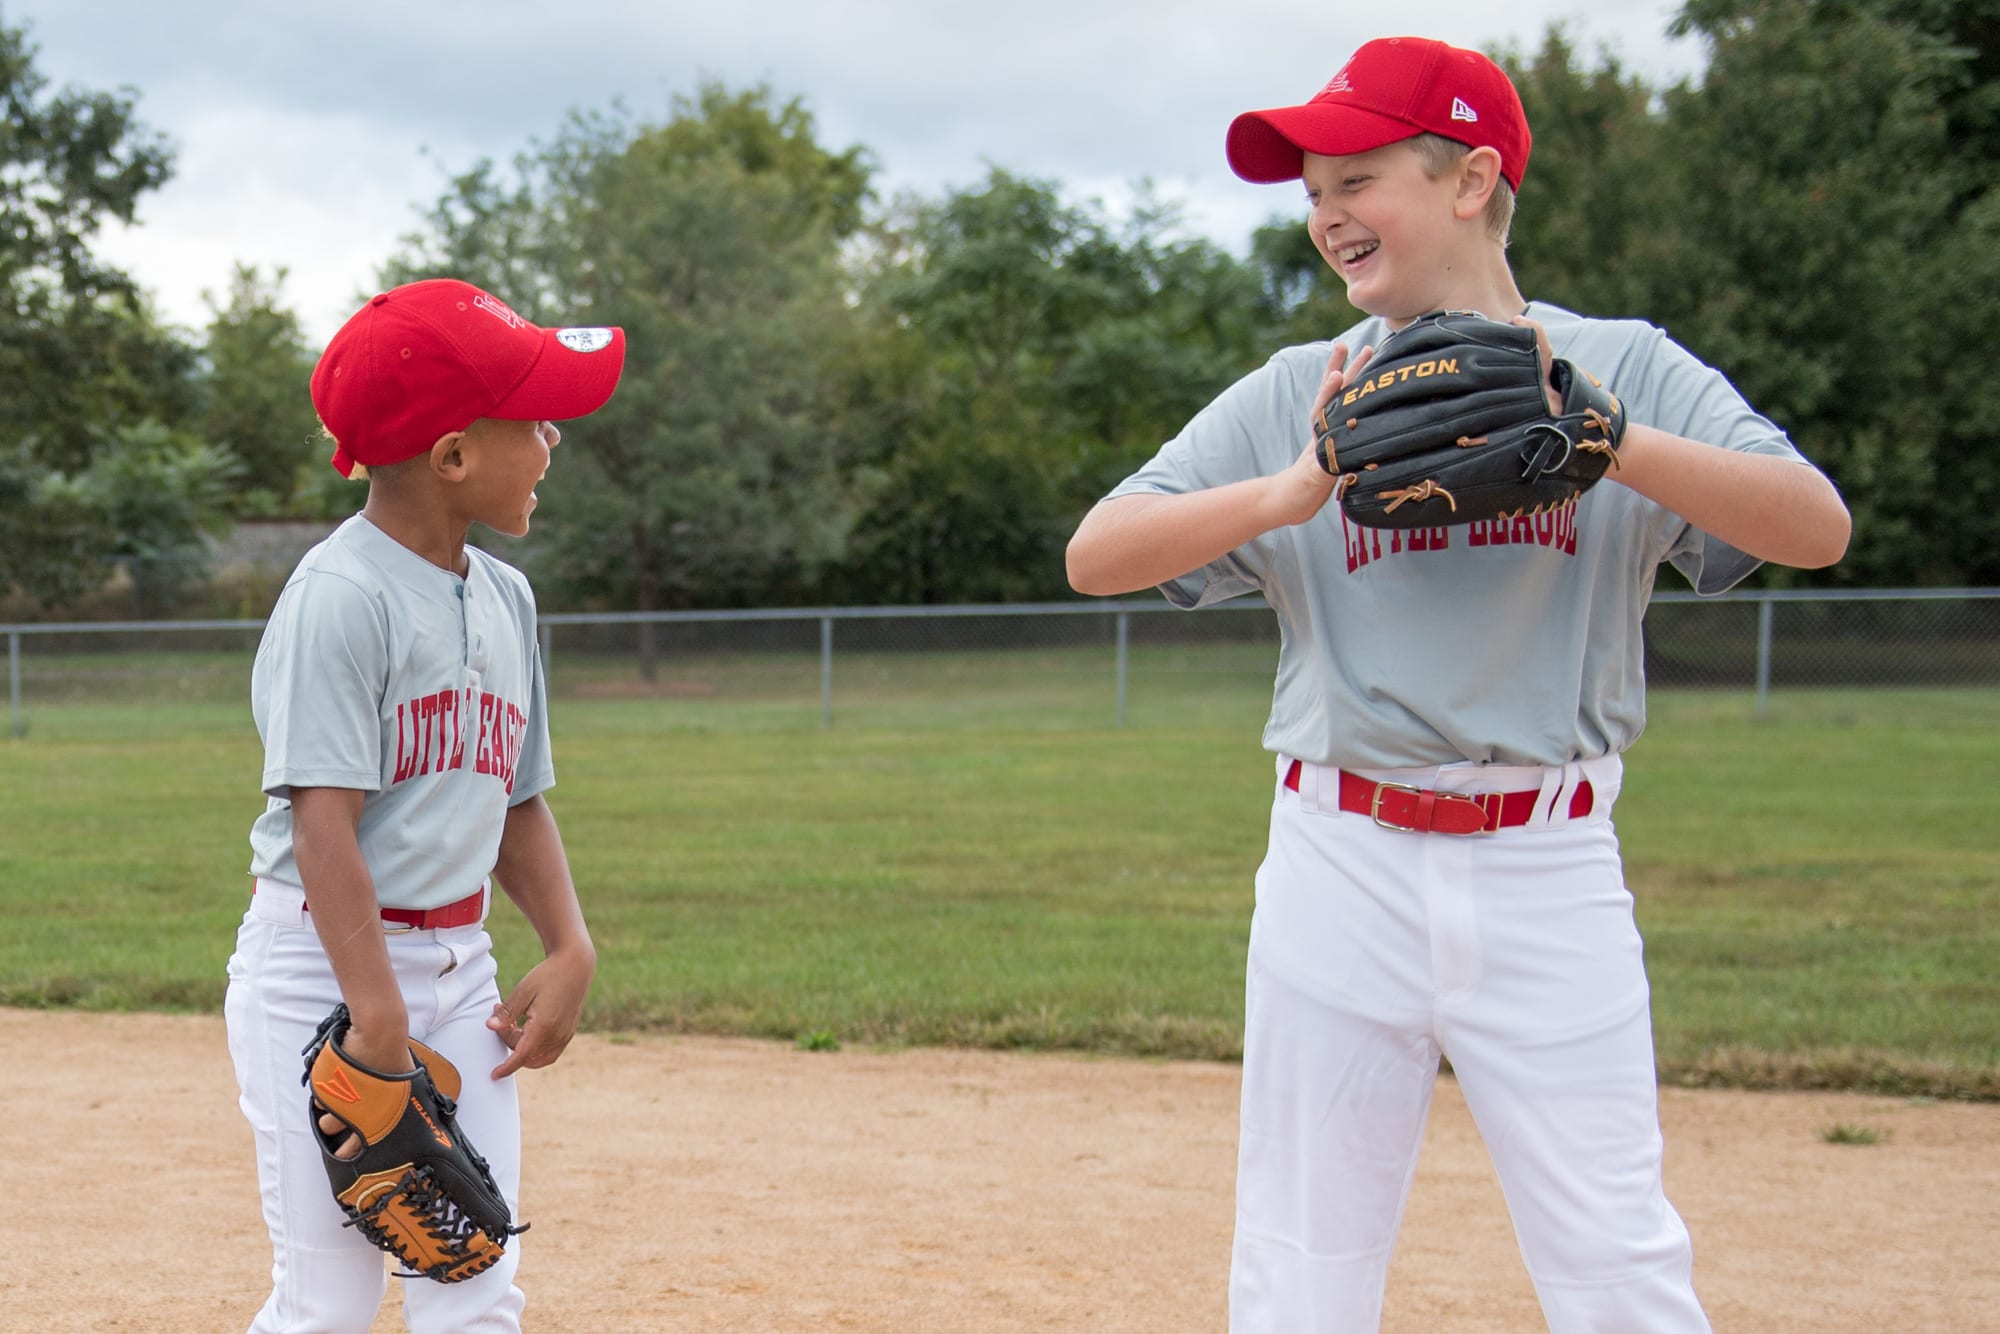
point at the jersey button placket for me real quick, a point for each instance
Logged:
(464, 645)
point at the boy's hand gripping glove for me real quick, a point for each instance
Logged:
(1450, 423)
(417, 1189)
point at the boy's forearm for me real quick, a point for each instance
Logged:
(341, 905)
(1139, 541)
(534, 871)
(1766, 506)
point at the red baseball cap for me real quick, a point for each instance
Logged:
(1393, 88)
(428, 358)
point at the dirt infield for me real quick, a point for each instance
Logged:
(696, 1184)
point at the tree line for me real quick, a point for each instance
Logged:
(832, 397)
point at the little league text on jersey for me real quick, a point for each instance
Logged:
(430, 734)
(1554, 529)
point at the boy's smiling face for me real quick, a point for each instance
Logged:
(1386, 227)
(503, 461)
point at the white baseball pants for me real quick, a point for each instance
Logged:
(1514, 954)
(327, 1278)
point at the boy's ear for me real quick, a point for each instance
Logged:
(1478, 177)
(448, 456)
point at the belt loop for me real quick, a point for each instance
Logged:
(1573, 787)
(277, 901)
(1556, 780)
(1305, 779)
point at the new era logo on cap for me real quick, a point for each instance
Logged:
(1393, 88)
(584, 340)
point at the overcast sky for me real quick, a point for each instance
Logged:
(309, 137)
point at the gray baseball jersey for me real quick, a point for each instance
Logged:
(1510, 642)
(381, 672)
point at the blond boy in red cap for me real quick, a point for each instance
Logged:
(1493, 668)
(399, 694)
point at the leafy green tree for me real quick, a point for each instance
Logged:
(1965, 32)
(158, 491)
(85, 364)
(1963, 498)
(1819, 248)
(747, 129)
(970, 510)
(1580, 238)
(256, 405)
(714, 240)
(1031, 352)
(53, 539)
(143, 503)
(75, 345)
(712, 472)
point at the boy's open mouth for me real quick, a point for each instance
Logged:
(1349, 255)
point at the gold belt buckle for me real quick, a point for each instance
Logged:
(1375, 805)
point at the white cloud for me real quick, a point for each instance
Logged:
(302, 130)
(322, 196)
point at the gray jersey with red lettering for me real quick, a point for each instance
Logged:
(1511, 642)
(382, 672)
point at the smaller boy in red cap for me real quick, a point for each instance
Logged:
(1451, 704)
(399, 694)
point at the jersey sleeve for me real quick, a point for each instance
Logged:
(320, 676)
(1685, 397)
(534, 768)
(535, 772)
(1254, 428)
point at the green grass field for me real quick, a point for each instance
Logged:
(973, 854)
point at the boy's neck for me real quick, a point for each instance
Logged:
(420, 523)
(1485, 284)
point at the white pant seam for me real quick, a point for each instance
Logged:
(1376, 1256)
(1615, 1281)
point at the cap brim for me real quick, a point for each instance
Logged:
(565, 382)
(1270, 146)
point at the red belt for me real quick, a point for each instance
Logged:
(464, 912)
(1419, 810)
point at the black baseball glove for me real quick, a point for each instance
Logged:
(417, 1188)
(1450, 423)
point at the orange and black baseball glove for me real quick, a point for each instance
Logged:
(1450, 422)
(417, 1188)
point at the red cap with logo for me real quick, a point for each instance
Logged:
(429, 358)
(1391, 89)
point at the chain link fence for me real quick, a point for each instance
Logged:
(1054, 665)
